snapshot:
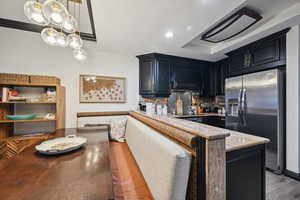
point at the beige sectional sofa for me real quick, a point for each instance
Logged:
(164, 164)
(171, 161)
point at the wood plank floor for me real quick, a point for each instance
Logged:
(282, 187)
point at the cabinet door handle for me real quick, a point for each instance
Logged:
(247, 59)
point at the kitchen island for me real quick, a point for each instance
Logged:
(244, 156)
(232, 164)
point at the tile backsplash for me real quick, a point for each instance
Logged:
(188, 98)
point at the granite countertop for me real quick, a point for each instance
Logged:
(201, 115)
(208, 132)
(238, 140)
(234, 140)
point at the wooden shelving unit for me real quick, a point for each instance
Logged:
(10, 145)
(7, 127)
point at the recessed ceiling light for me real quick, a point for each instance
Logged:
(169, 34)
(189, 28)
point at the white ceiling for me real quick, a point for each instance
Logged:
(135, 27)
(13, 10)
(138, 26)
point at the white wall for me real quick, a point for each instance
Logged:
(24, 52)
(292, 101)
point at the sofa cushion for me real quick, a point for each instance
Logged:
(165, 165)
(117, 129)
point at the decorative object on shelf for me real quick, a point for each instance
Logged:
(20, 98)
(13, 93)
(49, 116)
(21, 117)
(5, 94)
(51, 92)
(102, 89)
(61, 145)
(48, 98)
(58, 24)
(2, 115)
(9, 94)
(34, 100)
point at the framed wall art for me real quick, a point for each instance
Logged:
(102, 89)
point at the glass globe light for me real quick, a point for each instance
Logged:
(55, 12)
(49, 35)
(70, 24)
(74, 41)
(80, 54)
(61, 39)
(34, 12)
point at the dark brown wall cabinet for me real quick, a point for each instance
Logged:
(189, 75)
(267, 53)
(154, 76)
(216, 78)
(159, 74)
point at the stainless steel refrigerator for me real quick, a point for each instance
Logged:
(255, 104)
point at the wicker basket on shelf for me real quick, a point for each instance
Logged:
(14, 78)
(35, 79)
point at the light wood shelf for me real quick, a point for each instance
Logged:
(28, 120)
(20, 102)
(28, 84)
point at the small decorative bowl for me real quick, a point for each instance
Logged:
(21, 117)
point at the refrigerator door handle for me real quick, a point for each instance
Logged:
(240, 113)
(244, 106)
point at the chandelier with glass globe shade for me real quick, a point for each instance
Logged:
(61, 27)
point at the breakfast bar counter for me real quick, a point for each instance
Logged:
(84, 174)
(239, 154)
(234, 140)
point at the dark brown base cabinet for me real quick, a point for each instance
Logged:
(245, 174)
(216, 121)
